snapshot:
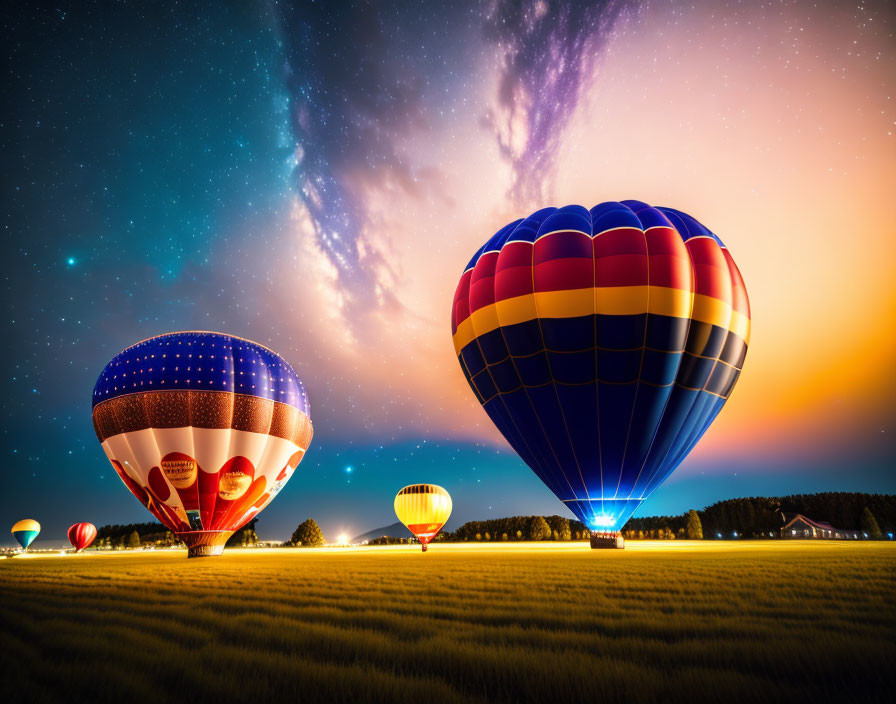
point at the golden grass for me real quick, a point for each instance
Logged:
(658, 622)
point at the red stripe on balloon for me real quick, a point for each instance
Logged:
(670, 272)
(514, 254)
(461, 310)
(482, 282)
(208, 497)
(621, 270)
(739, 299)
(625, 240)
(513, 282)
(711, 274)
(562, 245)
(563, 275)
(158, 484)
(665, 240)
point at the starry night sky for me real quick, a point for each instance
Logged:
(314, 176)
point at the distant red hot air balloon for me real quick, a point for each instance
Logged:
(81, 535)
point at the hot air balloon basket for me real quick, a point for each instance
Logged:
(205, 543)
(607, 541)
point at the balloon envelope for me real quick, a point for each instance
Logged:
(81, 535)
(25, 531)
(424, 509)
(203, 428)
(602, 343)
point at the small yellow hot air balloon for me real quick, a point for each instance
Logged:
(424, 509)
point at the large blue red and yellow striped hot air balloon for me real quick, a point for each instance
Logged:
(203, 428)
(602, 343)
(25, 531)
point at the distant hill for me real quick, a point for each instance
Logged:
(396, 530)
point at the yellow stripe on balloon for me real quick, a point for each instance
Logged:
(26, 524)
(606, 300)
(740, 326)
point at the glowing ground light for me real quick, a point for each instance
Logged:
(342, 539)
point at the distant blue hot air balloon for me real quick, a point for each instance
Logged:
(25, 531)
(602, 343)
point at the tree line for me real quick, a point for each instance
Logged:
(133, 535)
(136, 535)
(519, 528)
(759, 516)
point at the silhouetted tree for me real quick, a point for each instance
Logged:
(694, 527)
(133, 539)
(869, 524)
(308, 535)
(244, 536)
(539, 529)
(559, 527)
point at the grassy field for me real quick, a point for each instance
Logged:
(797, 622)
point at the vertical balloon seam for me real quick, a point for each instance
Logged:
(661, 464)
(546, 466)
(503, 241)
(595, 307)
(509, 415)
(155, 439)
(230, 433)
(235, 449)
(702, 426)
(661, 469)
(656, 430)
(194, 454)
(553, 379)
(662, 414)
(559, 465)
(631, 419)
(554, 470)
(668, 464)
(705, 417)
(228, 518)
(264, 450)
(126, 463)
